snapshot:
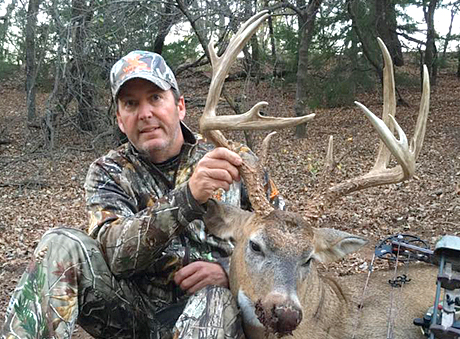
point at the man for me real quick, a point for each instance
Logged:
(148, 269)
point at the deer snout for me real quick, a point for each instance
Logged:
(280, 316)
(288, 318)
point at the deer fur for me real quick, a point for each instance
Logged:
(274, 265)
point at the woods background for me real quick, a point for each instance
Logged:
(328, 48)
(57, 116)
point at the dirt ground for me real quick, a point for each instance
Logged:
(42, 189)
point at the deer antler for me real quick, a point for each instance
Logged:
(211, 125)
(405, 154)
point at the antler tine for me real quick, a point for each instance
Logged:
(399, 148)
(221, 66)
(210, 123)
(265, 146)
(420, 127)
(252, 120)
(404, 154)
(389, 104)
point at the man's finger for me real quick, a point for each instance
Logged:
(218, 175)
(226, 154)
(199, 274)
(198, 286)
(184, 272)
(194, 279)
(219, 164)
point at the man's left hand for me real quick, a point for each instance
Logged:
(199, 274)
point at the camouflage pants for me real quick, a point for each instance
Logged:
(68, 281)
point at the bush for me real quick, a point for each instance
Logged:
(407, 80)
(333, 82)
(180, 51)
(8, 70)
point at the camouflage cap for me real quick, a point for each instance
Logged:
(142, 64)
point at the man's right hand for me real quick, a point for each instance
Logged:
(217, 169)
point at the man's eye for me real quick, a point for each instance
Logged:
(130, 103)
(156, 97)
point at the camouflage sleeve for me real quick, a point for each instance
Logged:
(131, 238)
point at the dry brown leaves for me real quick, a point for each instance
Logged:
(40, 190)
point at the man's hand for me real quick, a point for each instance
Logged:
(217, 169)
(199, 274)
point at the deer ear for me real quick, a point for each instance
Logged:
(224, 220)
(331, 245)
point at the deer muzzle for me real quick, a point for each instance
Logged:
(280, 318)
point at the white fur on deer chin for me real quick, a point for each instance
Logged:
(248, 309)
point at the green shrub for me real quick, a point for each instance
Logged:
(8, 70)
(180, 51)
(335, 84)
(407, 80)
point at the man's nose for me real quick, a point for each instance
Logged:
(145, 110)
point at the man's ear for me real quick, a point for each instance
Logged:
(120, 122)
(224, 220)
(181, 108)
(331, 245)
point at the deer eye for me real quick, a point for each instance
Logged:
(255, 247)
(307, 262)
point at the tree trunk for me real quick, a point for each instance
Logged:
(272, 40)
(306, 26)
(197, 27)
(385, 26)
(163, 30)
(84, 92)
(5, 28)
(251, 59)
(169, 19)
(52, 102)
(453, 12)
(31, 70)
(353, 55)
(255, 58)
(430, 50)
(364, 44)
(458, 63)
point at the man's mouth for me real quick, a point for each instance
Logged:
(149, 129)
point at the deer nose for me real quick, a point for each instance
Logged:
(286, 318)
(279, 313)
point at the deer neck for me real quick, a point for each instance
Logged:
(325, 306)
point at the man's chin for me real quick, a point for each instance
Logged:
(152, 147)
(157, 152)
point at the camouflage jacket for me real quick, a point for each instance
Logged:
(145, 218)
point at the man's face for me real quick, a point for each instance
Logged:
(151, 119)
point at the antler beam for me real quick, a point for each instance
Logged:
(212, 125)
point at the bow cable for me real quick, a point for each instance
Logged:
(360, 306)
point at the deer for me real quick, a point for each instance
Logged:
(274, 267)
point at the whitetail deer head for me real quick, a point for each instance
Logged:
(273, 270)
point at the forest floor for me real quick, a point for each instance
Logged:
(41, 189)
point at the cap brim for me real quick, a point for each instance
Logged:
(149, 77)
